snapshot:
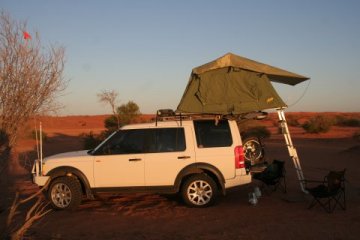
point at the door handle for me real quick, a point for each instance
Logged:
(134, 159)
(183, 157)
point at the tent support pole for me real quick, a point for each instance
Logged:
(292, 150)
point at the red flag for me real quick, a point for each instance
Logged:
(26, 35)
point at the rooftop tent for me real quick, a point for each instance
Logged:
(233, 85)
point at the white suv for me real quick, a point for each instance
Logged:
(197, 158)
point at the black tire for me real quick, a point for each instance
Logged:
(199, 191)
(253, 150)
(65, 193)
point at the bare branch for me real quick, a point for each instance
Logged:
(12, 211)
(35, 194)
(32, 209)
(110, 97)
(39, 210)
(17, 202)
(36, 211)
(31, 76)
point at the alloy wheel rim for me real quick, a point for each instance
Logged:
(199, 192)
(61, 195)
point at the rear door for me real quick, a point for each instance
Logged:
(215, 145)
(171, 150)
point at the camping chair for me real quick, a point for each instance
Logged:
(330, 192)
(273, 176)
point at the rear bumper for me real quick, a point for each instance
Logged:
(239, 180)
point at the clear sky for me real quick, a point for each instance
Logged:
(146, 49)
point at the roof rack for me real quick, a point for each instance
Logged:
(171, 115)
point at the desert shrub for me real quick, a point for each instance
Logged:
(111, 123)
(257, 131)
(91, 140)
(292, 121)
(253, 128)
(347, 122)
(318, 124)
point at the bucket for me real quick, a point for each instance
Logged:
(257, 192)
(253, 199)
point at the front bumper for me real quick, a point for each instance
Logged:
(40, 180)
(37, 176)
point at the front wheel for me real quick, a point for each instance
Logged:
(65, 193)
(199, 191)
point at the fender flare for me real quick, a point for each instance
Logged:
(200, 168)
(68, 171)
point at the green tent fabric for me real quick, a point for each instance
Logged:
(234, 85)
(231, 60)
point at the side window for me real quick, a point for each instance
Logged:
(144, 141)
(209, 134)
(170, 140)
(124, 142)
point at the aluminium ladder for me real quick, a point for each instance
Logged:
(292, 150)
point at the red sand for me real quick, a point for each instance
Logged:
(152, 216)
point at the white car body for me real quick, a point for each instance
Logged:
(158, 171)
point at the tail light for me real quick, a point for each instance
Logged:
(239, 157)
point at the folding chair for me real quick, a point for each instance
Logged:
(273, 176)
(330, 193)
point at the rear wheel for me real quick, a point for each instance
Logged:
(199, 190)
(65, 193)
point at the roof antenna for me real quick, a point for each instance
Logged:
(41, 150)
(37, 140)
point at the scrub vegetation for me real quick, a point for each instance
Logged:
(318, 124)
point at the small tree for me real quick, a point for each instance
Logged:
(31, 76)
(110, 97)
(128, 112)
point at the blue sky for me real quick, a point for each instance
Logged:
(145, 50)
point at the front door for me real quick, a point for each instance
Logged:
(120, 162)
(119, 170)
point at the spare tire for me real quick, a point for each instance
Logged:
(253, 150)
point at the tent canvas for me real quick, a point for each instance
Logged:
(234, 85)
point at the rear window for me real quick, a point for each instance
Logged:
(209, 134)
